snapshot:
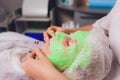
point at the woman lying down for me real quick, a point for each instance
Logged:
(81, 55)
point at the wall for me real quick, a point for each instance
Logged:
(10, 5)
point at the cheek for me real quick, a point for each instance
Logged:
(46, 49)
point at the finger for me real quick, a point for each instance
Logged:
(56, 28)
(52, 30)
(46, 36)
(28, 56)
(40, 54)
(51, 33)
(31, 55)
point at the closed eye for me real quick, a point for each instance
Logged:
(67, 41)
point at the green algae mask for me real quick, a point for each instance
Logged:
(63, 56)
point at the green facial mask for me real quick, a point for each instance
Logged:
(62, 57)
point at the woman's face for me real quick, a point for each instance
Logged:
(66, 42)
(62, 49)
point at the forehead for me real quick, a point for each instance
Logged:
(79, 36)
(60, 36)
(76, 35)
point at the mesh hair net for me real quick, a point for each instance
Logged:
(94, 60)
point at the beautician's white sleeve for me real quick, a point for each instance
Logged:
(104, 23)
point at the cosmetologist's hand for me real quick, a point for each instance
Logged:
(50, 32)
(41, 68)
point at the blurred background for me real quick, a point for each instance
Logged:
(35, 16)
